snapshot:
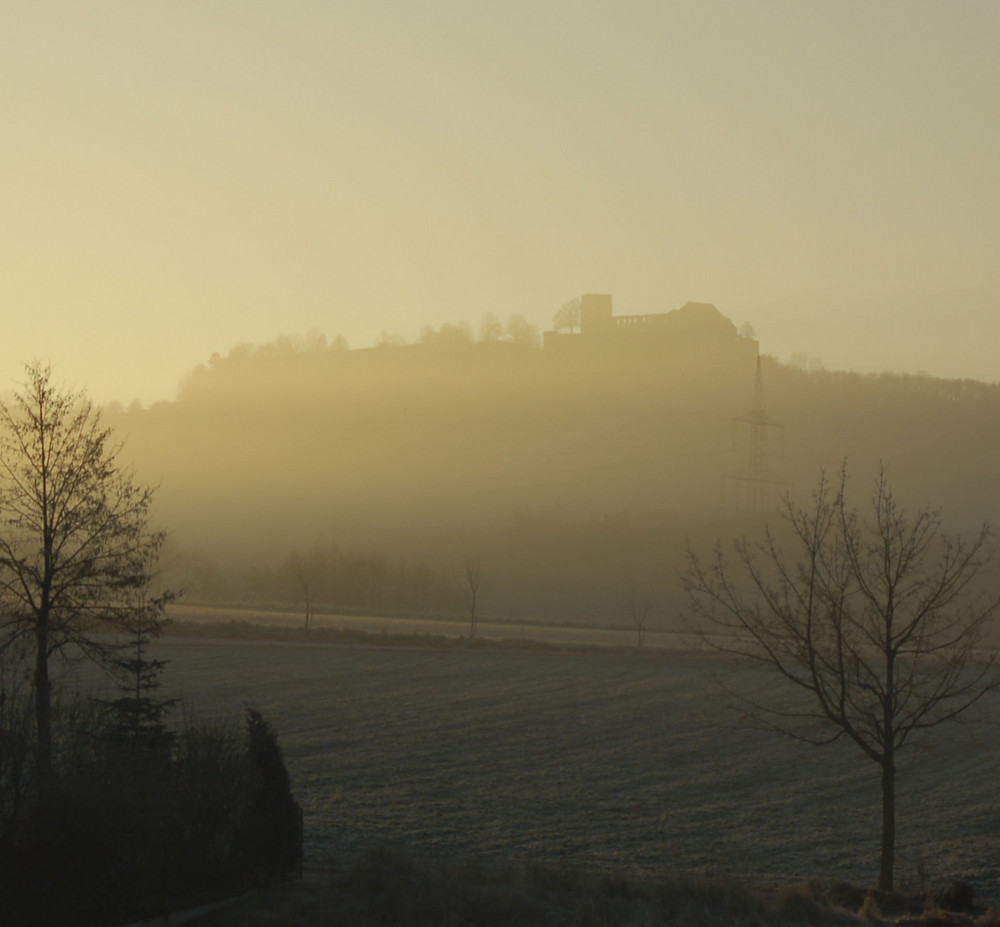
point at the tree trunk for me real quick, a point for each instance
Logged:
(43, 706)
(885, 878)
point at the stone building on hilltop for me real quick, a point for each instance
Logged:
(696, 331)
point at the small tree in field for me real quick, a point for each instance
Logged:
(473, 580)
(876, 617)
(75, 540)
(302, 570)
(637, 608)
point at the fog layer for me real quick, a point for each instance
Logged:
(569, 472)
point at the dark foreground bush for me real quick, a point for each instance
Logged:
(128, 830)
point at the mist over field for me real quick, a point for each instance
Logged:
(568, 473)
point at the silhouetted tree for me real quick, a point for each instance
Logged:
(491, 328)
(520, 331)
(75, 542)
(473, 580)
(877, 620)
(567, 316)
(448, 335)
(804, 362)
(137, 714)
(638, 606)
(314, 341)
(389, 340)
(271, 826)
(302, 569)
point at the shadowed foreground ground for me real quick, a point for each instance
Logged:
(389, 887)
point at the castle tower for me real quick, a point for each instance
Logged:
(595, 314)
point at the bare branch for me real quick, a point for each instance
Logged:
(876, 620)
(75, 541)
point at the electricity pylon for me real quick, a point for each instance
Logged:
(758, 478)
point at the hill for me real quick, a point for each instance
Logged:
(568, 472)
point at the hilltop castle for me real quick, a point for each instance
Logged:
(696, 330)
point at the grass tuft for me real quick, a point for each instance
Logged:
(870, 910)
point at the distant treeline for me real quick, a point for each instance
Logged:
(323, 579)
(290, 361)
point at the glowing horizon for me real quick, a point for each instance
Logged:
(184, 179)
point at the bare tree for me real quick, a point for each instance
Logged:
(491, 329)
(878, 619)
(638, 606)
(567, 316)
(388, 340)
(521, 332)
(75, 540)
(314, 341)
(473, 580)
(303, 571)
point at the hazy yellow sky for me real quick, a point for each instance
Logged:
(178, 177)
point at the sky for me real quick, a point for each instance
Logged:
(177, 178)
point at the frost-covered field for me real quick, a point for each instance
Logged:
(619, 758)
